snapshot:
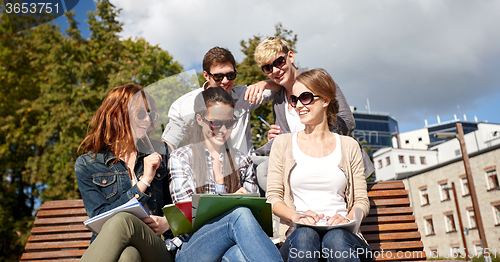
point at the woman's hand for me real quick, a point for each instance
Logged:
(157, 223)
(309, 217)
(273, 132)
(336, 220)
(151, 163)
(242, 190)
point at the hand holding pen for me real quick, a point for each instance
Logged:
(309, 217)
(273, 131)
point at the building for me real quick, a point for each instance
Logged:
(377, 129)
(417, 153)
(434, 205)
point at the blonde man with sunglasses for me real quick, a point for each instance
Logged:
(277, 61)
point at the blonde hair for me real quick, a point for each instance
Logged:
(269, 49)
(322, 84)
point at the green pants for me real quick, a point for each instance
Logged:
(124, 237)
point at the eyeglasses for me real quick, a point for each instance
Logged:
(305, 98)
(141, 115)
(278, 62)
(217, 124)
(219, 77)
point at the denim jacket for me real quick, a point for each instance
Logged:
(104, 185)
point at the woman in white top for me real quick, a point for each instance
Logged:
(316, 178)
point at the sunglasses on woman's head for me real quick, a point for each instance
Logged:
(305, 98)
(141, 115)
(219, 77)
(217, 124)
(278, 62)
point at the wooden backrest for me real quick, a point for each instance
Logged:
(58, 232)
(390, 225)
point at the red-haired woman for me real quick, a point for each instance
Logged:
(112, 170)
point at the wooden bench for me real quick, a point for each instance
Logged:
(58, 232)
(390, 225)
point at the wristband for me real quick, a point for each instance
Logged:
(145, 183)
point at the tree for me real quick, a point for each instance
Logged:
(250, 73)
(52, 84)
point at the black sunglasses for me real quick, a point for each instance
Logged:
(217, 124)
(219, 77)
(141, 115)
(278, 62)
(305, 98)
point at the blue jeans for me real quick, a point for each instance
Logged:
(305, 244)
(234, 236)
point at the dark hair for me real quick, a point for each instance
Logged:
(209, 97)
(217, 55)
(110, 125)
(322, 84)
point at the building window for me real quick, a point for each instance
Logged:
(445, 194)
(407, 141)
(465, 186)
(429, 227)
(423, 161)
(401, 159)
(496, 211)
(471, 218)
(412, 160)
(424, 197)
(379, 164)
(492, 179)
(457, 152)
(387, 161)
(419, 139)
(450, 223)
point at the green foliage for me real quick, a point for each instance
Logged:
(51, 86)
(250, 73)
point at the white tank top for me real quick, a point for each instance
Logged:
(318, 184)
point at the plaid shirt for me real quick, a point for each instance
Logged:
(182, 184)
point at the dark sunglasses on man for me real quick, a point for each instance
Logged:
(141, 115)
(215, 125)
(278, 63)
(305, 98)
(219, 77)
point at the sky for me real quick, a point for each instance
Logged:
(412, 59)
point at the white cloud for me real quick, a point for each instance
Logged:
(413, 59)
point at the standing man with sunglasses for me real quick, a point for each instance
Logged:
(219, 69)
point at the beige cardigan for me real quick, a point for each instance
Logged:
(281, 163)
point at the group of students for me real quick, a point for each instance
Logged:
(312, 173)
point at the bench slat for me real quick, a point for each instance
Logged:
(60, 220)
(62, 204)
(374, 211)
(389, 227)
(388, 219)
(385, 185)
(57, 245)
(60, 237)
(53, 254)
(57, 229)
(390, 202)
(61, 212)
(392, 236)
(387, 194)
(405, 245)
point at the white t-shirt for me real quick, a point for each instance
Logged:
(318, 184)
(293, 119)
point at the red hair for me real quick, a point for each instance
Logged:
(110, 126)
